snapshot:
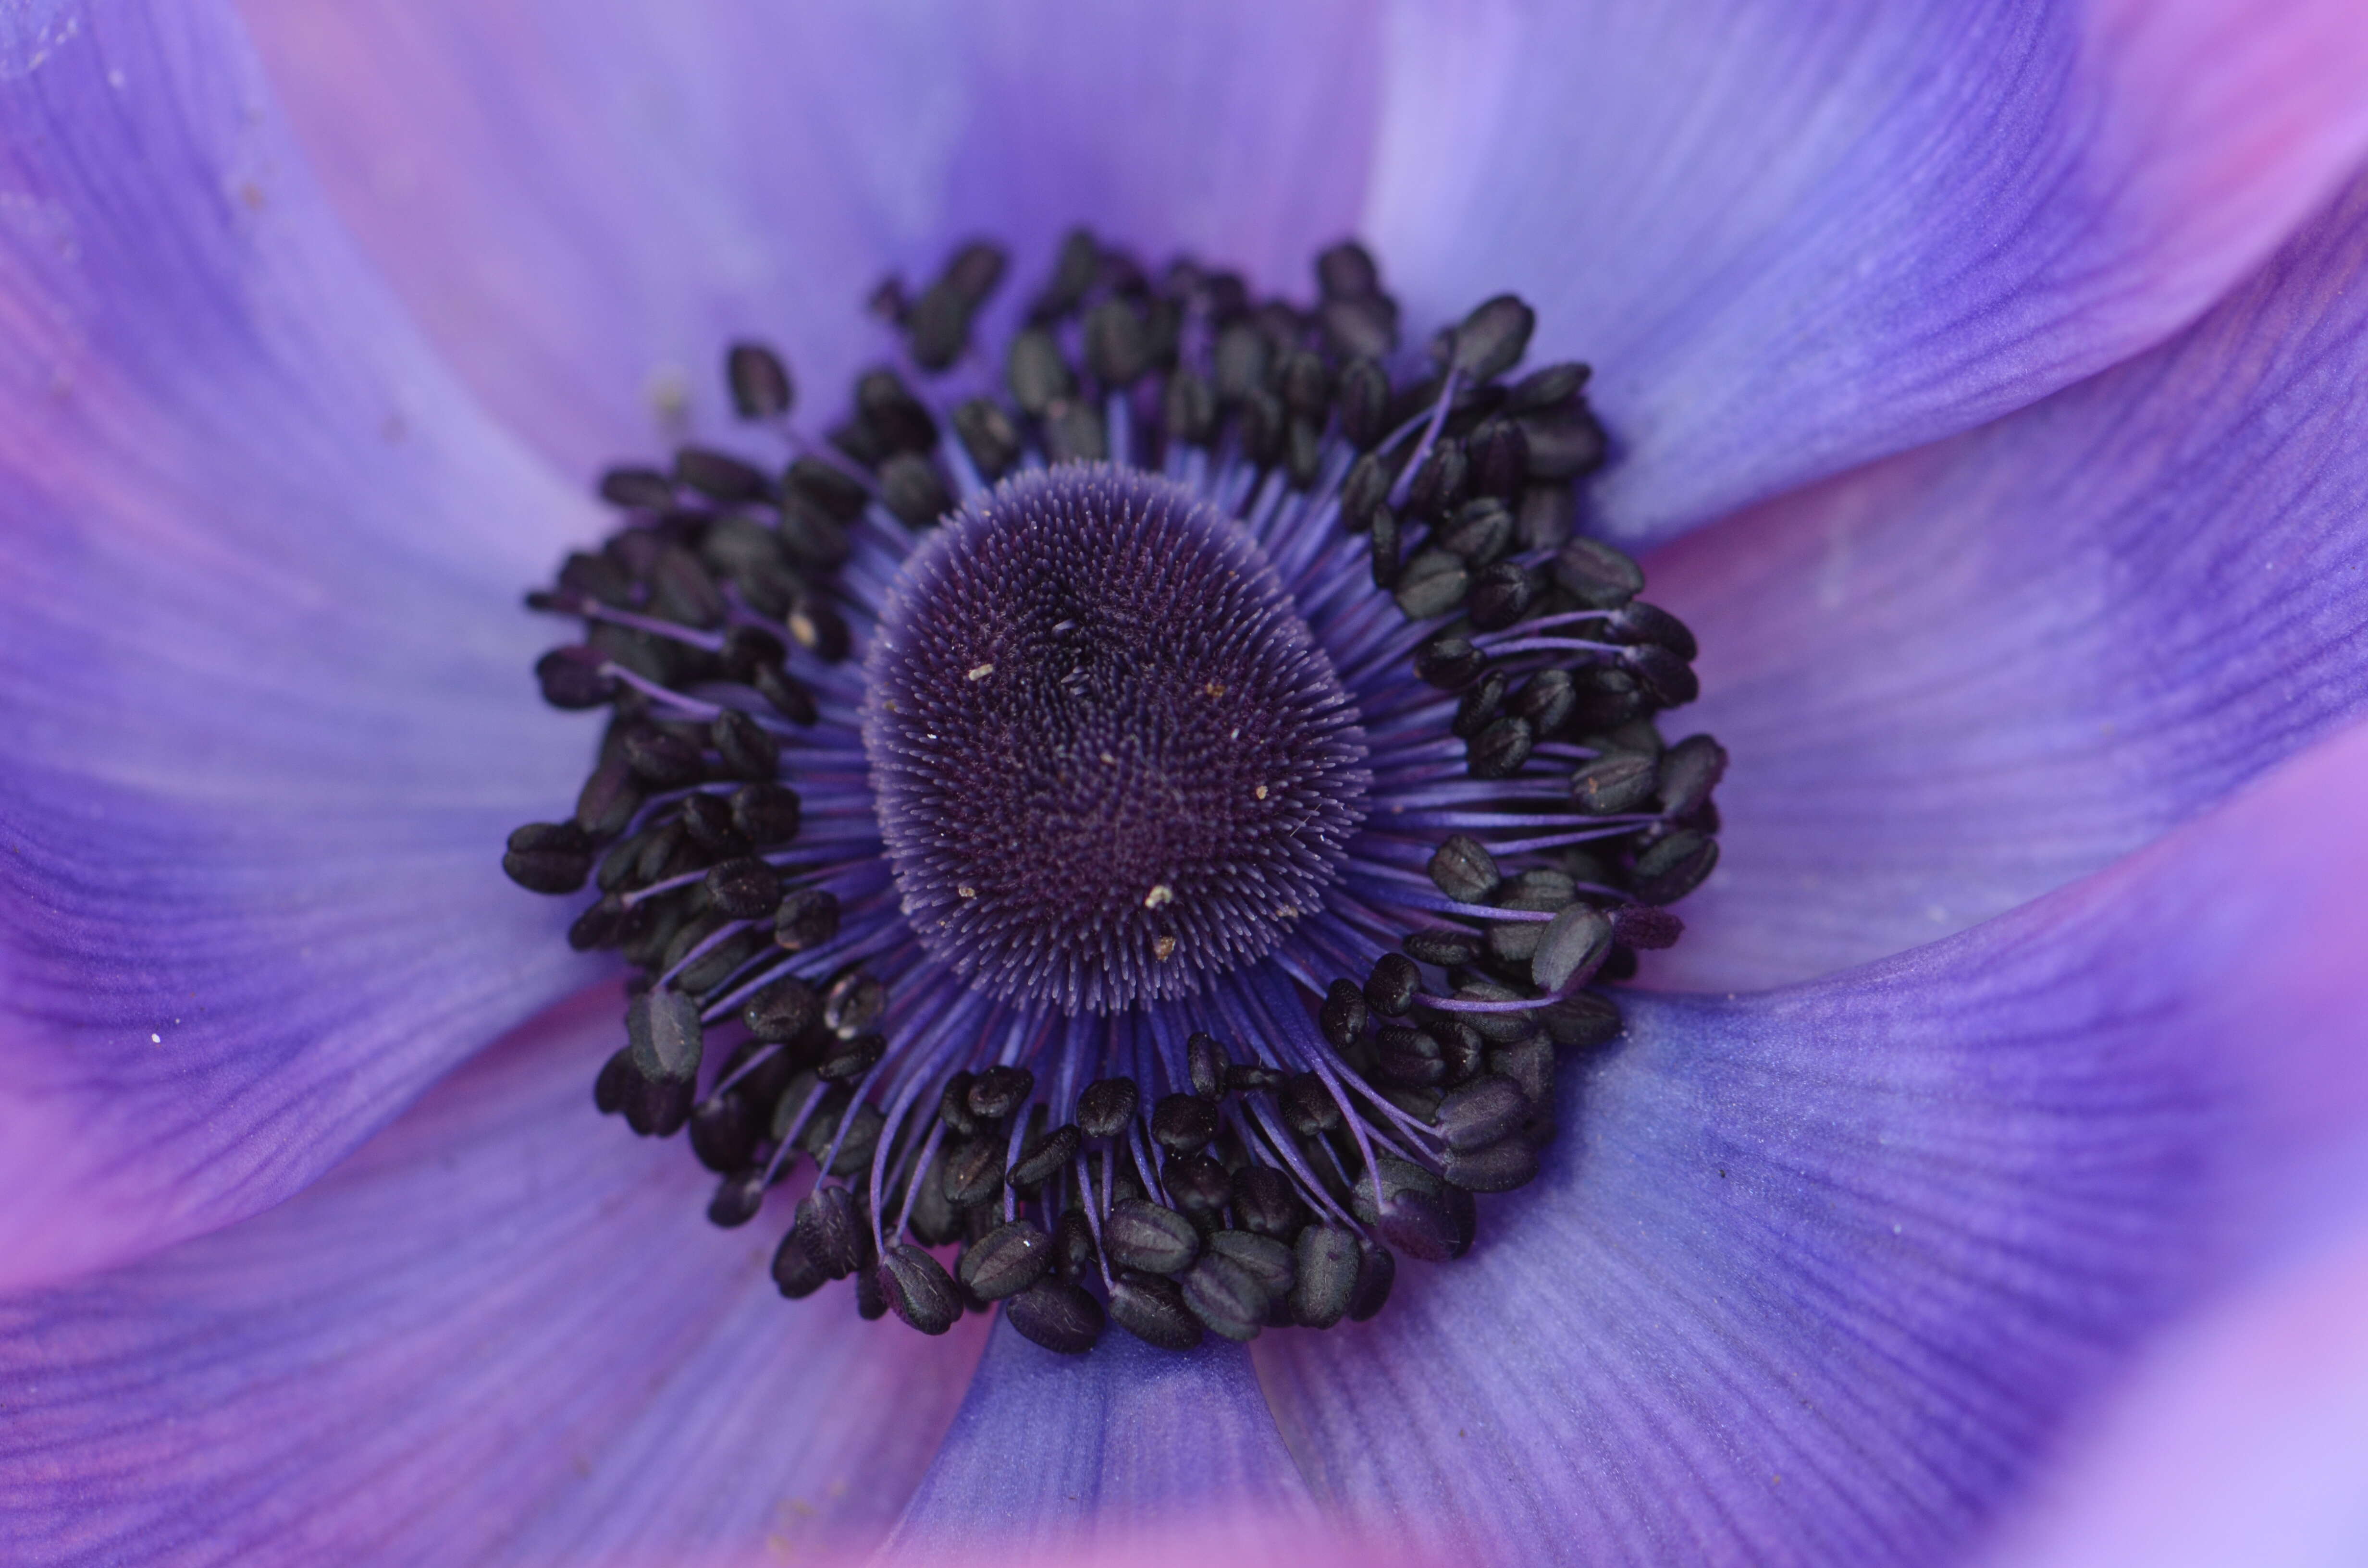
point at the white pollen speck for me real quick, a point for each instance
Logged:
(980, 672)
(1165, 948)
(1259, 791)
(155, 1040)
(1110, 760)
(1161, 895)
(967, 891)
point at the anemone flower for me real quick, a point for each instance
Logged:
(1986, 383)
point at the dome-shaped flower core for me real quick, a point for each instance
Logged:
(1108, 755)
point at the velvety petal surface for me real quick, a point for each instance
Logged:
(1055, 1452)
(1979, 670)
(263, 672)
(1818, 1276)
(1794, 238)
(2239, 1440)
(501, 1333)
(583, 202)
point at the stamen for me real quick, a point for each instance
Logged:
(1144, 805)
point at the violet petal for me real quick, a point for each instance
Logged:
(1980, 670)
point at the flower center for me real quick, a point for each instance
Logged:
(1109, 755)
(1137, 817)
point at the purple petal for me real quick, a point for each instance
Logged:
(578, 198)
(501, 1333)
(1978, 671)
(1796, 238)
(2238, 1440)
(1817, 1276)
(262, 668)
(1051, 1451)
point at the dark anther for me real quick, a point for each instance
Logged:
(1153, 1310)
(1262, 423)
(1308, 1106)
(1500, 458)
(1616, 781)
(1449, 661)
(1666, 677)
(1224, 1296)
(1205, 1062)
(760, 384)
(1343, 1015)
(1074, 1252)
(1182, 1124)
(1267, 1202)
(575, 677)
(1268, 1261)
(1046, 1155)
(1605, 697)
(1106, 1106)
(1501, 595)
(1498, 751)
(1187, 407)
(663, 1029)
(718, 474)
(974, 1171)
(1072, 433)
(793, 1272)
(765, 814)
(1390, 987)
(1542, 517)
(1006, 1261)
(1057, 1315)
(638, 489)
(1448, 947)
(708, 820)
(1417, 1225)
(1640, 622)
(1582, 1020)
(1548, 387)
(747, 889)
(918, 1289)
(784, 694)
(1139, 1233)
(615, 1078)
(1545, 700)
(1480, 531)
(738, 1198)
(1432, 584)
(807, 919)
(721, 1136)
(1037, 371)
(1493, 339)
(1408, 1057)
(1080, 262)
(606, 805)
(1481, 1112)
(549, 857)
(893, 414)
(1362, 493)
(1641, 926)
(1248, 1078)
(1366, 328)
(607, 924)
(1238, 363)
(829, 1228)
(1564, 441)
(1689, 770)
(1377, 1270)
(1117, 348)
(1464, 870)
(1346, 271)
(1305, 384)
(819, 628)
(853, 1004)
(998, 1092)
(1199, 1185)
(849, 1060)
(934, 1222)
(953, 1105)
(1439, 484)
(1675, 867)
(871, 1302)
(1362, 398)
(1511, 1162)
(780, 1012)
(910, 488)
(1325, 1268)
(1597, 574)
(1483, 702)
(663, 760)
(828, 488)
(988, 436)
(1387, 567)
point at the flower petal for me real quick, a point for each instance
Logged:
(1796, 238)
(262, 667)
(1977, 671)
(1052, 1452)
(501, 1333)
(2240, 1440)
(583, 200)
(1817, 1276)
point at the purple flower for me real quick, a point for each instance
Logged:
(1991, 381)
